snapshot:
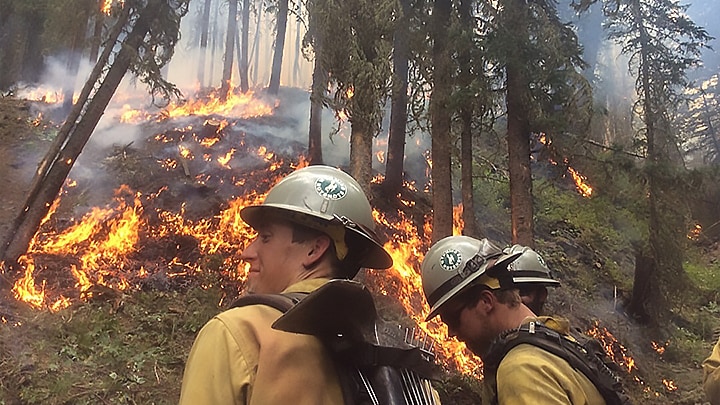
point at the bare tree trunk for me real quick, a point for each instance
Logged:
(518, 131)
(73, 60)
(229, 47)
(466, 136)
(95, 41)
(51, 179)
(297, 55)
(319, 88)
(282, 15)
(244, 83)
(361, 140)
(204, 33)
(398, 110)
(440, 123)
(256, 47)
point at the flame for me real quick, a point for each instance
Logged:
(240, 105)
(404, 283)
(580, 181)
(616, 351)
(458, 222)
(106, 6)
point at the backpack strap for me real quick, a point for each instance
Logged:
(282, 302)
(581, 359)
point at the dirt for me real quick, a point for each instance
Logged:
(22, 145)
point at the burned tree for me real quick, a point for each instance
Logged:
(663, 43)
(152, 32)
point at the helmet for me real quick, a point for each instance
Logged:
(529, 267)
(456, 262)
(331, 201)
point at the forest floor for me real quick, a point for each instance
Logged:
(54, 357)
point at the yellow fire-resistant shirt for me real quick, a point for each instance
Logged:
(530, 375)
(711, 375)
(237, 358)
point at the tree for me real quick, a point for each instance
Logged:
(662, 43)
(440, 121)
(357, 62)
(318, 89)
(147, 47)
(204, 34)
(244, 49)
(280, 30)
(229, 47)
(399, 101)
(465, 79)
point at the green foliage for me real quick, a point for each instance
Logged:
(683, 345)
(131, 350)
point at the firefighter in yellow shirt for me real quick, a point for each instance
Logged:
(467, 283)
(711, 375)
(314, 225)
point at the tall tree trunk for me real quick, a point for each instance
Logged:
(281, 28)
(667, 210)
(319, 88)
(440, 122)
(518, 129)
(244, 84)
(78, 132)
(297, 54)
(96, 40)
(466, 117)
(256, 47)
(398, 104)
(204, 33)
(73, 60)
(361, 141)
(229, 47)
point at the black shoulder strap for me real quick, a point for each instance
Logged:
(281, 302)
(539, 335)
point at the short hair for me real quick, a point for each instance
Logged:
(470, 296)
(302, 233)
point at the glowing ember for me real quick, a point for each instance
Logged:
(695, 232)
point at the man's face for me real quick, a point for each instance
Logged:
(276, 262)
(534, 297)
(469, 324)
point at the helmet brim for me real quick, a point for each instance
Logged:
(501, 263)
(519, 281)
(373, 255)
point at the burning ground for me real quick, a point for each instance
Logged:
(142, 248)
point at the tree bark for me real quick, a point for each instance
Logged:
(51, 180)
(361, 141)
(281, 28)
(244, 83)
(204, 33)
(518, 130)
(319, 88)
(440, 123)
(466, 116)
(229, 47)
(398, 110)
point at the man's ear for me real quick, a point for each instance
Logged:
(316, 249)
(487, 301)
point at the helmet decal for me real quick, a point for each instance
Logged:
(541, 260)
(512, 266)
(330, 188)
(450, 260)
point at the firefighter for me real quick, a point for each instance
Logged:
(532, 277)
(313, 226)
(711, 375)
(469, 286)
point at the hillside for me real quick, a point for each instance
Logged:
(126, 341)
